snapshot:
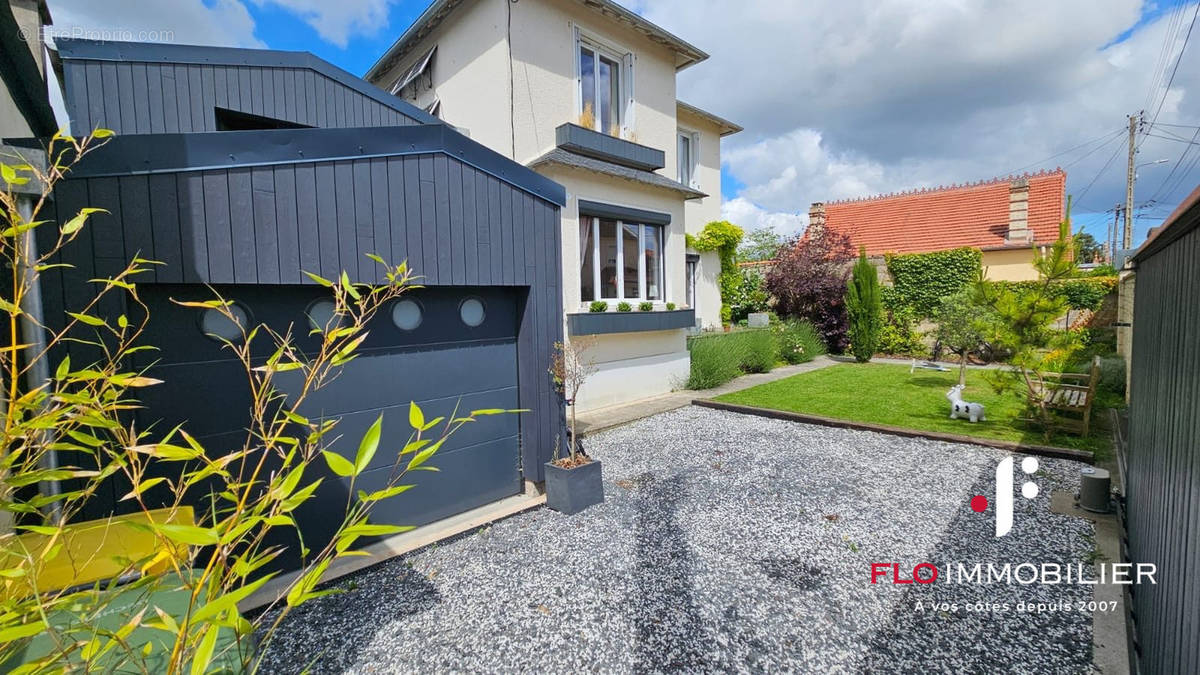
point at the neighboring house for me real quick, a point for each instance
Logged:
(242, 169)
(1006, 218)
(583, 91)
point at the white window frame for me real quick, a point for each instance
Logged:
(693, 138)
(597, 289)
(624, 59)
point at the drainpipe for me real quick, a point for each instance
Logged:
(32, 320)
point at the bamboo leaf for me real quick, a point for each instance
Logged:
(76, 223)
(368, 446)
(338, 464)
(204, 652)
(416, 418)
(188, 534)
(86, 318)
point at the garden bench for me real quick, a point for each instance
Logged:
(1072, 393)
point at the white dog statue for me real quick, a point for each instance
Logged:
(972, 411)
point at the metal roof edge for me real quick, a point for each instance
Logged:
(154, 52)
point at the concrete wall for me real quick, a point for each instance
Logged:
(700, 212)
(469, 71)
(631, 366)
(1125, 294)
(1009, 265)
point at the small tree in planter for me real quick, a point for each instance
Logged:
(573, 483)
(863, 306)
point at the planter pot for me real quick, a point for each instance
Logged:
(728, 328)
(570, 491)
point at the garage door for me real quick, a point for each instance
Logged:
(441, 347)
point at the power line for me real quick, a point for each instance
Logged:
(1181, 126)
(1106, 137)
(1182, 155)
(1099, 173)
(1178, 60)
(1177, 139)
(1116, 137)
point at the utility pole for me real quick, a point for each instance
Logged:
(1130, 176)
(1111, 244)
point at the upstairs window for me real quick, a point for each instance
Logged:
(686, 156)
(605, 87)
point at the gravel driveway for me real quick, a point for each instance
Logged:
(727, 542)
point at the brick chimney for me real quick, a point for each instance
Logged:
(816, 216)
(1018, 212)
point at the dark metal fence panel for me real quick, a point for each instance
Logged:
(1163, 481)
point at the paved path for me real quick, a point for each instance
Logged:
(726, 543)
(600, 419)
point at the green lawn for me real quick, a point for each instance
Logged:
(888, 394)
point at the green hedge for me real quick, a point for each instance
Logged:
(1081, 293)
(921, 280)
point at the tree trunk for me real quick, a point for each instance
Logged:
(962, 370)
(574, 438)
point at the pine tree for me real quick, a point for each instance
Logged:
(863, 304)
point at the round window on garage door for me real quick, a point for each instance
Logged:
(321, 315)
(471, 312)
(407, 314)
(216, 325)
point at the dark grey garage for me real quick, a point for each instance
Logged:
(221, 169)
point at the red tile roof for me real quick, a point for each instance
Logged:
(936, 219)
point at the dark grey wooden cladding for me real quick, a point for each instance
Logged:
(454, 223)
(600, 323)
(153, 89)
(1163, 462)
(609, 148)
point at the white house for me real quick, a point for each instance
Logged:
(583, 91)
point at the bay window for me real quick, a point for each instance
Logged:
(620, 260)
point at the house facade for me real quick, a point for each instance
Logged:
(1006, 218)
(584, 93)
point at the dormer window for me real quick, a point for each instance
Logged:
(605, 87)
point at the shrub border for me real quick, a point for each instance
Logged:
(1084, 456)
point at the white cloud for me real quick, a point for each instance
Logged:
(337, 21)
(222, 22)
(750, 216)
(867, 96)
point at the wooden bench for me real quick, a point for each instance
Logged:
(1073, 393)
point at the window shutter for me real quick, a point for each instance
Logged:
(628, 121)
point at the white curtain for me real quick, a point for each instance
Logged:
(585, 239)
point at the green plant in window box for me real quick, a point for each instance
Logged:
(598, 306)
(624, 307)
(670, 307)
(645, 306)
